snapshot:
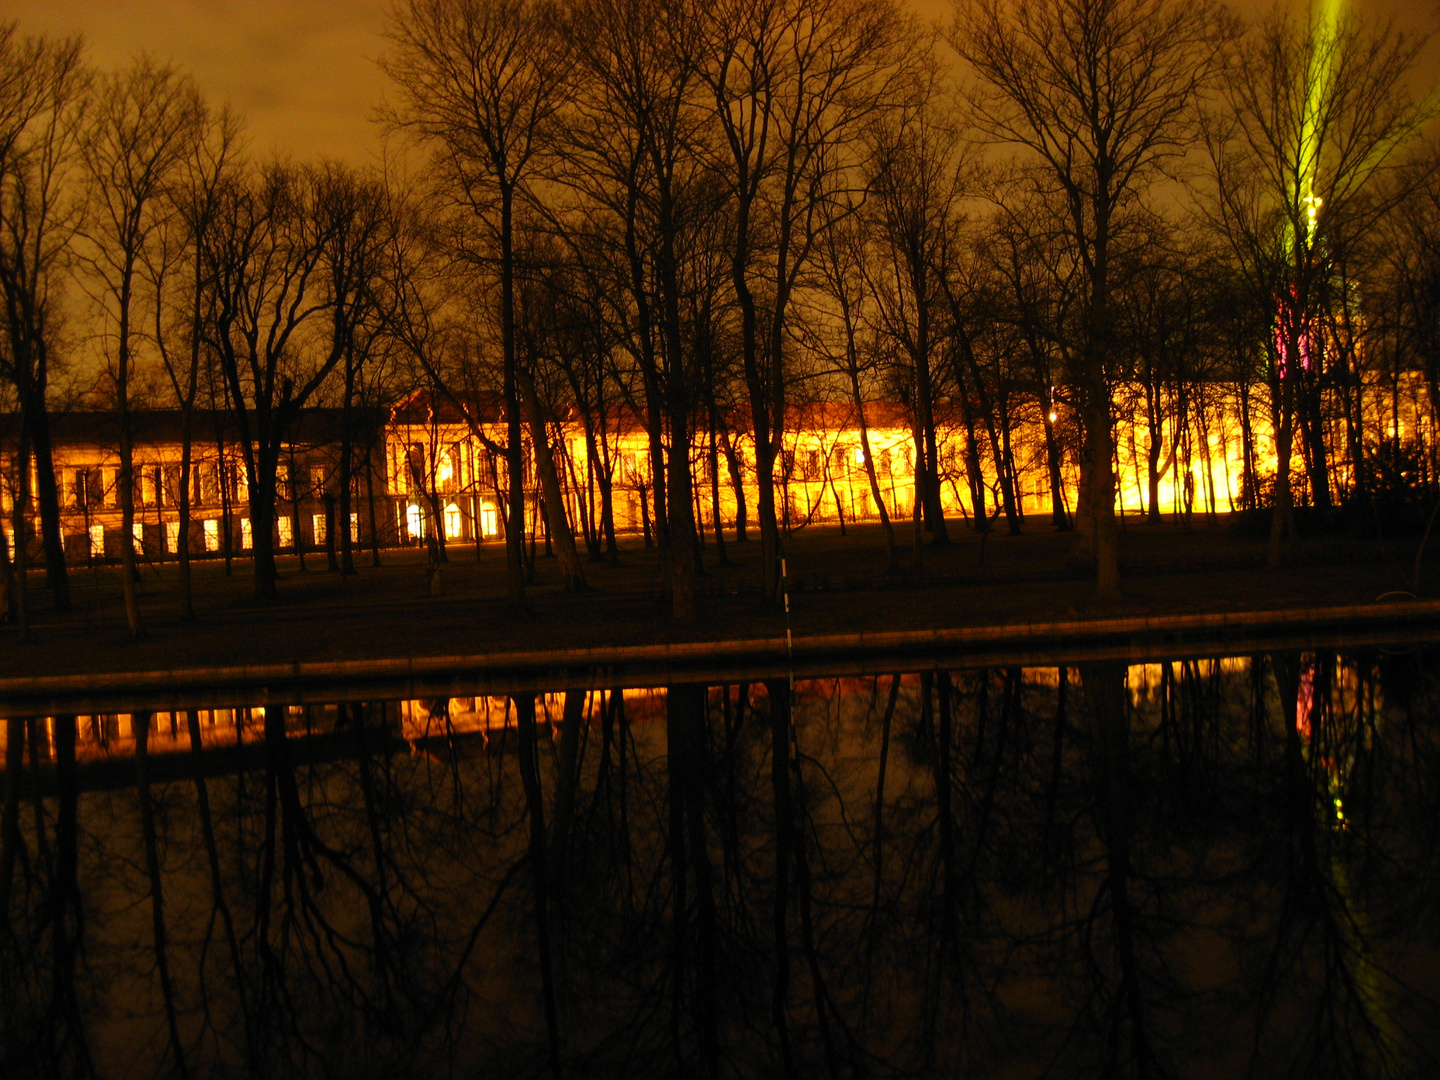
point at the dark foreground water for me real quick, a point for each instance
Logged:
(1208, 868)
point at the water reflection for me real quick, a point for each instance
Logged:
(1212, 867)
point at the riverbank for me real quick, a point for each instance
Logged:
(839, 587)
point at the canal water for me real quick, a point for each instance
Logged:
(1211, 867)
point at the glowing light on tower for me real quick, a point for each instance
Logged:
(1325, 23)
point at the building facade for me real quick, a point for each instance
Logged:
(87, 470)
(424, 470)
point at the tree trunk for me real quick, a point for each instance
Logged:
(262, 485)
(297, 538)
(370, 502)
(47, 495)
(332, 559)
(19, 529)
(737, 484)
(680, 522)
(1099, 452)
(714, 459)
(1058, 517)
(928, 462)
(347, 454)
(182, 541)
(7, 582)
(514, 448)
(1280, 521)
(224, 478)
(572, 575)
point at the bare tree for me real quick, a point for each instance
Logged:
(481, 81)
(265, 256)
(181, 344)
(1102, 94)
(1158, 311)
(1411, 255)
(355, 219)
(43, 88)
(1315, 115)
(1024, 245)
(838, 329)
(915, 185)
(632, 151)
(792, 84)
(142, 127)
(538, 332)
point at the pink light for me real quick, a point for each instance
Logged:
(1285, 313)
(1305, 701)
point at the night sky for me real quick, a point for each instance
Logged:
(302, 72)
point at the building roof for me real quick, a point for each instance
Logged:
(152, 427)
(424, 408)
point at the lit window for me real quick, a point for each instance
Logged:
(490, 519)
(859, 455)
(172, 536)
(354, 526)
(137, 530)
(247, 535)
(414, 521)
(97, 539)
(212, 535)
(283, 527)
(452, 521)
(317, 522)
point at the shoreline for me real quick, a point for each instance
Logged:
(1000, 643)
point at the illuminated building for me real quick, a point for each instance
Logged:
(428, 472)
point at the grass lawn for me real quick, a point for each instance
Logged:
(838, 584)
